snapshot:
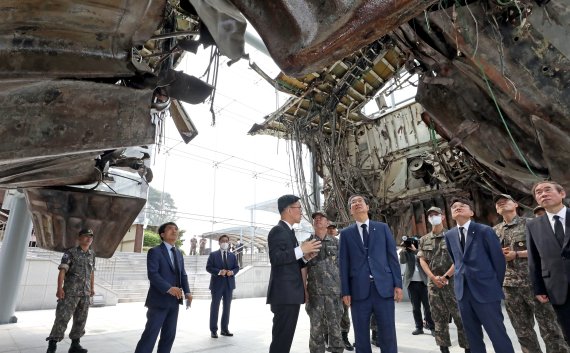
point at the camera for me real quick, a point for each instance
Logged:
(407, 242)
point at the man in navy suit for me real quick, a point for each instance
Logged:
(223, 266)
(479, 273)
(370, 275)
(286, 291)
(548, 244)
(168, 287)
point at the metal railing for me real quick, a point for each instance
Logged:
(254, 259)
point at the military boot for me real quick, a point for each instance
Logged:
(444, 349)
(76, 347)
(374, 338)
(347, 345)
(52, 346)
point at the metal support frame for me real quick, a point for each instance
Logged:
(13, 257)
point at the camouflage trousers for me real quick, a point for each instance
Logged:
(443, 303)
(78, 307)
(345, 322)
(522, 308)
(325, 313)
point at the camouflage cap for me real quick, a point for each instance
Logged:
(85, 231)
(321, 213)
(538, 209)
(434, 209)
(503, 196)
(332, 225)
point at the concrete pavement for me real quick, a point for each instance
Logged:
(116, 329)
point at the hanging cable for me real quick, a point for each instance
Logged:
(521, 155)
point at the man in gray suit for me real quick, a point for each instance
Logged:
(548, 244)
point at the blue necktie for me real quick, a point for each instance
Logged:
(175, 263)
(365, 235)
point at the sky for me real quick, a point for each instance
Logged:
(223, 169)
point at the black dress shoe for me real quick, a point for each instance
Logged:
(418, 331)
(214, 335)
(226, 333)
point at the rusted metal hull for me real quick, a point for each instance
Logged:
(502, 91)
(70, 38)
(59, 213)
(306, 36)
(49, 126)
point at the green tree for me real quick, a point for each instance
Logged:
(160, 207)
(152, 239)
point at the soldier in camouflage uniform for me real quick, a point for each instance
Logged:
(438, 266)
(322, 290)
(520, 302)
(332, 230)
(75, 286)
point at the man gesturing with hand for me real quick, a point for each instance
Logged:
(286, 292)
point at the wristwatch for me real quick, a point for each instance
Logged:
(447, 277)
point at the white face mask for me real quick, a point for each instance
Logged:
(224, 246)
(435, 220)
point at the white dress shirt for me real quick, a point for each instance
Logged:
(168, 247)
(561, 214)
(359, 226)
(466, 226)
(298, 251)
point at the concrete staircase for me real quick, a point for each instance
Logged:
(125, 274)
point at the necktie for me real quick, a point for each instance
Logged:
(176, 270)
(558, 229)
(294, 237)
(365, 235)
(225, 259)
(462, 238)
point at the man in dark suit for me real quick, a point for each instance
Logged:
(168, 287)
(370, 275)
(223, 266)
(548, 244)
(479, 273)
(286, 291)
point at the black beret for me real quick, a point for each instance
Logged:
(85, 231)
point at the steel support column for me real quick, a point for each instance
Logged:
(13, 257)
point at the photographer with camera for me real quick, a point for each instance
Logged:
(415, 280)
